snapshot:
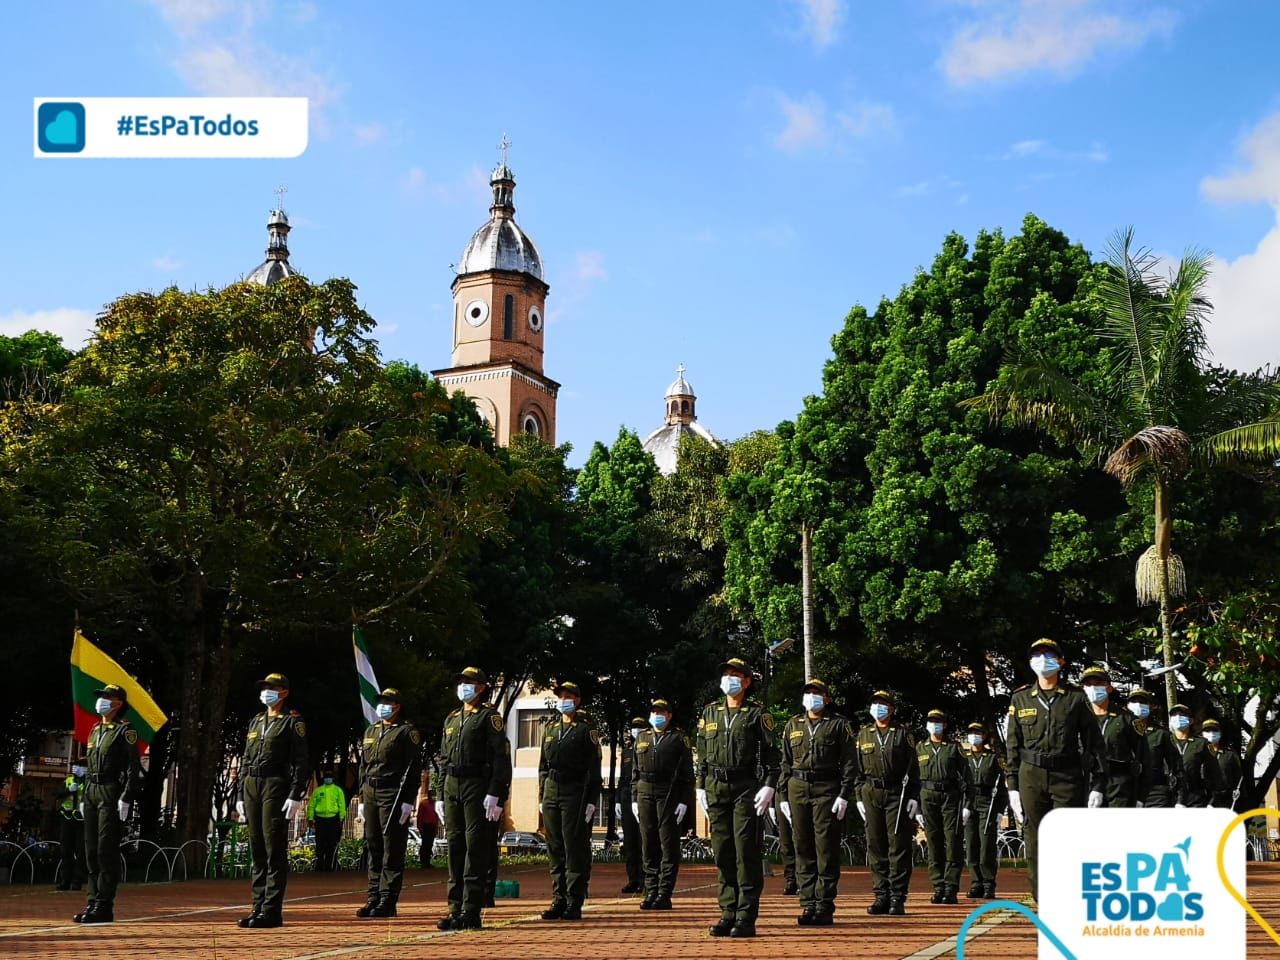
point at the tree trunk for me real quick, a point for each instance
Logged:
(806, 591)
(976, 654)
(1163, 538)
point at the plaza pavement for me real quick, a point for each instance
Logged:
(195, 920)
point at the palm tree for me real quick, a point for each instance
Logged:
(1163, 412)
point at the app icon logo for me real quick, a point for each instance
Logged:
(60, 127)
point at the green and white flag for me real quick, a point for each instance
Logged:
(369, 688)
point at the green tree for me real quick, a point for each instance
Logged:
(1157, 414)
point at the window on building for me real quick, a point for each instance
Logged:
(508, 317)
(531, 425)
(532, 723)
(684, 406)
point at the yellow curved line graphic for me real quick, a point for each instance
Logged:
(1222, 870)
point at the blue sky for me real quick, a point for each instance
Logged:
(710, 183)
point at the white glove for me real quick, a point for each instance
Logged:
(920, 820)
(123, 808)
(291, 807)
(681, 810)
(862, 811)
(1015, 804)
(702, 801)
(635, 811)
(1095, 799)
(1179, 806)
(913, 809)
(539, 807)
(764, 798)
(240, 809)
(617, 811)
(965, 814)
(785, 807)
(440, 811)
(839, 808)
(360, 810)
(492, 811)
(590, 813)
(406, 811)
(81, 809)
(1139, 804)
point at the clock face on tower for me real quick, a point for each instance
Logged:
(476, 313)
(535, 319)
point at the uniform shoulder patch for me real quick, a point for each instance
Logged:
(687, 744)
(496, 720)
(767, 720)
(131, 736)
(595, 736)
(300, 728)
(1025, 686)
(415, 736)
(797, 717)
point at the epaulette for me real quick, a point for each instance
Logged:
(294, 713)
(1025, 686)
(455, 712)
(797, 716)
(710, 703)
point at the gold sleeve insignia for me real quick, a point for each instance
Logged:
(497, 722)
(415, 737)
(595, 737)
(131, 737)
(767, 720)
(300, 728)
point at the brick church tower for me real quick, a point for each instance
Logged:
(499, 298)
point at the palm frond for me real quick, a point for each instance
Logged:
(1181, 345)
(1256, 443)
(1162, 448)
(1133, 312)
(1232, 399)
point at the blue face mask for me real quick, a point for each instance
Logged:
(934, 728)
(102, 706)
(269, 697)
(975, 739)
(1045, 665)
(384, 711)
(879, 711)
(566, 706)
(813, 702)
(1140, 710)
(636, 731)
(466, 692)
(1179, 721)
(1096, 693)
(731, 685)
(1213, 736)
(328, 781)
(657, 720)
(78, 771)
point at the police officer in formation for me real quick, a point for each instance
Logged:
(986, 775)
(568, 785)
(786, 846)
(737, 776)
(1055, 752)
(662, 769)
(1165, 786)
(272, 785)
(1202, 779)
(888, 791)
(946, 804)
(390, 768)
(1229, 766)
(113, 777)
(623, 810)
(1128, 755)
(477, 767)
(818, 771)
(70, 830)
(325, 812)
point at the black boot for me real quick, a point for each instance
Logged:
(975, 892)
(898, 906)
(790, 890)
(806, 919)
(633, 886)
(990, 892)
(661, 903)
(572, 912)
(722, 928)
(555, 911)
(101, 913)
(469, 921)
(939, 895)
(266, 920)
(648, 901)
(449, 923)
(743, 928)
(88, 909)
(952, 895)
(822, 920)
(367, 910)
(387, 908)
(880, 907)
(253, 915)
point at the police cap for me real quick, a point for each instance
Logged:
(568, 687)
(1179, 708)
(389, 695)
(938, 715)
(274, 680)
(884, 696)
(662, 706)
(1096, 672)
(1142, 696)
(1211, 725)
(112, 691)
(1045, 645)
(738, 664)
(473, 675)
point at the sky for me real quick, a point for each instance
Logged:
(713, 184)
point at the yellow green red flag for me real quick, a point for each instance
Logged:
(91, 670)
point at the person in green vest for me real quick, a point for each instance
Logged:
(986, 773)
(1202, 779)
(113, 777)
(946, 804)
(1229, 766)
(71, 832)
(325, 811)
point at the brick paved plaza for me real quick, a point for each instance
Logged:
(196, 921)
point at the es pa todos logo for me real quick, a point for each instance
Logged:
(1120, 883)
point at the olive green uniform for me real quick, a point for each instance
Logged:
(662, 772)
(736, 757)
(818, 765)
(1232, 773)
(632, 845)
(888, 776)
(1055, 756)
(390, 768)
(1128, 759)
(1165, 786)
(1200, 772)
(114, 774)
(945, 790)
(786, 843)
(273, 769)
(569, 780)
(986, 774)
(477, 762)
(71, 834)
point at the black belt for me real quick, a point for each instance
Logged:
(567, 776)
(879, 783)
(942, 786)
(654, 778)
(264, 770)
(102, 779)
(1050, 761)
(1121, 764)
(376, 782)
(468, 772)
(816, 776)
(729, 774)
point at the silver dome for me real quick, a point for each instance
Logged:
(501, 245)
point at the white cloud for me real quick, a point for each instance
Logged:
(590, 266)
(821, 20)
(807, 128)
(414, 181)
(1096, 152)
(1026, 36)
(919, 189)
(1025, 148)
(1245, 292)
(370, 132)
(166, 264)
(73, 326)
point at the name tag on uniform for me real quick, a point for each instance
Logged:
(449, 731)
(711, 727)
(253, 735)
(642, 746)
(868, 748)
(796, 734)
(550, 738)
(368, 740)
(922, 757)
(1027, 712)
